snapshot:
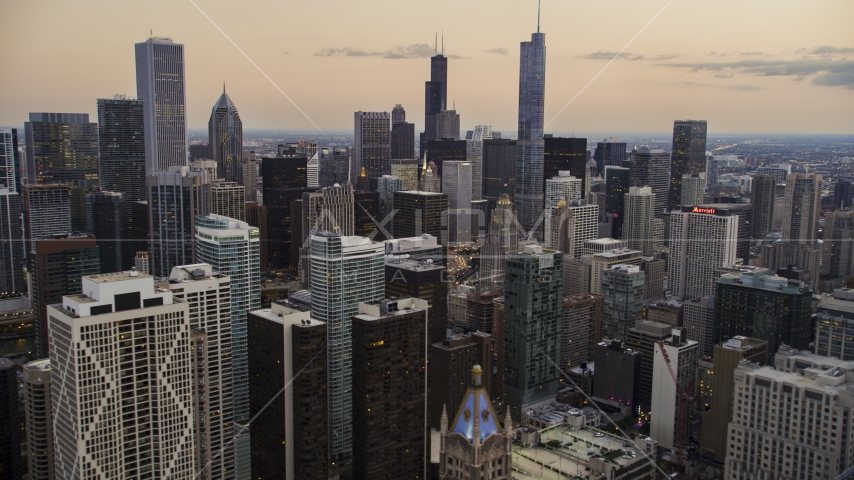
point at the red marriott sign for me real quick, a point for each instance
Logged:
(710, 211)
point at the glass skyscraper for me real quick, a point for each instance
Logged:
(530, 145)
(687, 156)
(160, 85)
(225, 134)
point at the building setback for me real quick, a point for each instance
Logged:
(389, 389)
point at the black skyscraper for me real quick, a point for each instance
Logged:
(333, 166)
(565, 154)
(440, 151)
(617, 183)
(435, 96)
(285, 180)
(105, 215)
(499, 169)
(688, 155)
(842, 194)
(402, 134)
(609, 153)
(10, 422)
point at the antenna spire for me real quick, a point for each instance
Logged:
(435, 43)
(538, 16)
(223, 86)
(443, 41)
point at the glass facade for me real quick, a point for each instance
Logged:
(530, 145)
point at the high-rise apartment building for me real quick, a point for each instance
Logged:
(207, 294)
(643, 338)
(756, 303)
(566, 154)
(233, 248)
(160, 86)
(473, 445)
(229, 200)
(618, 180)
(499, 169)
(601, 262)
(701, 241)
(837, 259)
(37, 402)
(835, 325)
(63, 148)
(249, 175)
(474, 155)
(693, 188)
(609, 152)
(638, 214)
(199, 150)
(121, 143)
(371, 145)
(389, 336)
(457, 185)
(803, 203)
(503, 239)
(333, 166)
(419, 213)
(225, 136)
(531, 327)
(99, 335)
(586, 223)
(105, 215)
(687, 156)
(563, 186)
(726, 357)
(423, 279)
(669, 412)
(175, 197)
(12, 257)
(698, 319)
(762, 196)
(285, 180)
(10, 421)
(530, 145)
(581, 328)
(651, 168)
(345, 271)
(330, 209)
(291, 430)
(622, 287)
(792, 425)
(47, 212)
(10, 163)
(55, 269)
(843, 194)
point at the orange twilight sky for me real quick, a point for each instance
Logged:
(746, 66)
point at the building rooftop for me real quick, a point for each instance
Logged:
(390, 307)
(619, 252)
(763, 279)
(38, 365)
(413, 265)
(739, 342)
(117, 276)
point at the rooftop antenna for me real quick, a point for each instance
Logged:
(443, 41)
(223, 85)
(435, 43)
(538, 16)
(151, 33)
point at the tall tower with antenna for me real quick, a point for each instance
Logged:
(530, 144)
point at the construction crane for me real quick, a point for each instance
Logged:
(686, 399)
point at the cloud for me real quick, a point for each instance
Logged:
(498, 51)
(286, 53)
(839, 73)
(712, 53)
(415, 50)
(743, 86)
(828, 50)
(666, 56)
(600, 55)
(753, 54)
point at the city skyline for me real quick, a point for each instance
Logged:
(734, 80)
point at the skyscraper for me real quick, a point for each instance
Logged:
(701, 241)
(650, 168)
(229, 200)
(233, 248)
(345, 271)
(531, 327)
(762, 196)
(63, 148)
(99, 336)
(474, 155)
(499, 169)
(330, 209)
(207, 294)
(424, 279)
(10, 421)
(419, 213)
(609, 152)
(285, 180)
(175, 197)
(638, 213)
(105, 213)
(803, 203)
(160, 85)
(687, 156)
(55, 268)
(693, 188)
(389, 336)
(406, 169)
(618, 180)
(837, 259)
(581, 328)
(12, 258)
(566, 154)
(121, 143)
(843, 194)
(402, 134)
(586, 223)
(669, 418)
(225, 136)
(503, 239)
(10, 164)
(371, 145)
(622, 287)
(46, 212)
(334, 166)
(250, 176)
(37, 398)
(530, 145)
(456, 184)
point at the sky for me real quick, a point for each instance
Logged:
(757, 66)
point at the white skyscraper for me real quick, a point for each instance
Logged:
(121, 381)
(160, 85)
(204, 292)
(8, 169)
(638, 217)
(682, 355)
(700, 242)
(586, 224)
(474, 155)
(456, 183)
(562, 187)
(344, 272)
